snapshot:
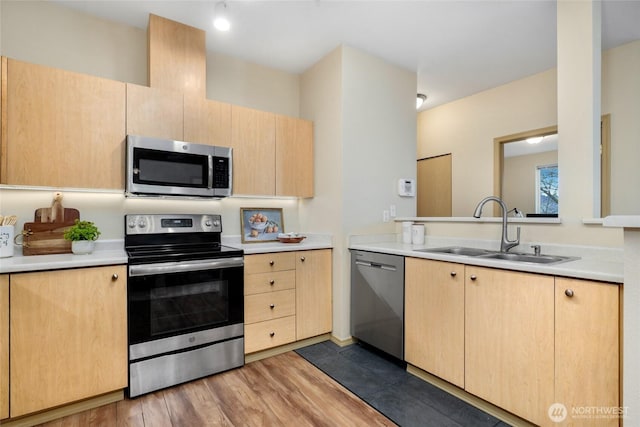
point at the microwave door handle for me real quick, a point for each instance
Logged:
(210, 181)
(182, 267)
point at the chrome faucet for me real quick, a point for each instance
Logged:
(505, 244)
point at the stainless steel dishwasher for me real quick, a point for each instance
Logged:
(377, 301)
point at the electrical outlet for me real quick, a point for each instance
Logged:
(385, 216)
(392, 211)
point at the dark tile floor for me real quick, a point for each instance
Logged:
(384, 384)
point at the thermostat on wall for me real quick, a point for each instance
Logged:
(407, 187)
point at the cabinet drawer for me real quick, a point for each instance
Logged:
(270, 305)
(264, 263)
(272, 333)
(269, 282)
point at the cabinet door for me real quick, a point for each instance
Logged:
(509, 336)
(64, 129)
(4, 346)
(68, 336)
(294, 157)
(587, 348)
(313, 293)
(254, 160)
(206, 121)
(434, 318)
(154, 112)
(177, 56)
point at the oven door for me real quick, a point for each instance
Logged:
(177, 305)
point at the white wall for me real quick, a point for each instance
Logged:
(45, 33)
(466, 128)
(621, 99)
(364, 114)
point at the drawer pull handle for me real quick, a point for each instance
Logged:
(473, 277)
(272, 282)
(272, 306)
(453, 274)
(568, 292)
(272, 334)
(271, 263)
(302, 258)
(114, 277)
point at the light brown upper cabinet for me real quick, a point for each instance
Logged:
(63, 129)
(294, 157)
(177, 57)
(206, 121)
(155, 112)
(253, 138)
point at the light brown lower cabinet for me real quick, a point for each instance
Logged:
(287, 297)
(4, 346)
(68, 336)
(587, 351)
(529, 340)
(313, 293)
(509, 337)
(434, 318)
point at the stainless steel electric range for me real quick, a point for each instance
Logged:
(185, 300)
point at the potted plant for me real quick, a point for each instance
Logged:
(83, 236)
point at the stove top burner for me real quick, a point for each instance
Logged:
(155, 238)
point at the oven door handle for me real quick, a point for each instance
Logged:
(181, 267)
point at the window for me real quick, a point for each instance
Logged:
(547, 189)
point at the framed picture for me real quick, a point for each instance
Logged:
(260, 224)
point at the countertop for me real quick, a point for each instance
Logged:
(107, 252)
(313, 241)
(111, 252)
(595, 263)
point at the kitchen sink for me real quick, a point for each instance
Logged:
(503, 256)
(457, 250)
(528, 258)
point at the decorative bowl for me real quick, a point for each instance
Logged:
(290, 239)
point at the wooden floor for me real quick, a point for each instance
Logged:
(284, 390)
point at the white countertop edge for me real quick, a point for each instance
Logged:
(625, 221)
(21, 264)
(481, 219)
(313, 241)
(589, 267)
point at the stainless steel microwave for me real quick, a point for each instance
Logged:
(160, 167)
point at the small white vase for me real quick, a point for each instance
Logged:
(82, 247)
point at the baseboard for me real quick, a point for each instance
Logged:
(483, 405)
(63, 411)
(270, 352)
(343, 343)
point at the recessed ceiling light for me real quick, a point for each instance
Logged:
(535, 139)
(221, 18)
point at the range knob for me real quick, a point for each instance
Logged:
(207, 223)
(216, 223)
(132, 224)
(142, 223)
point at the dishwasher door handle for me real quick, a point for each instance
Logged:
(376, 265)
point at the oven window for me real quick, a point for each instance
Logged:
(175, 309)
(170, 169)
(169, 304)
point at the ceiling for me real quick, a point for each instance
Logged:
(457, 48)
